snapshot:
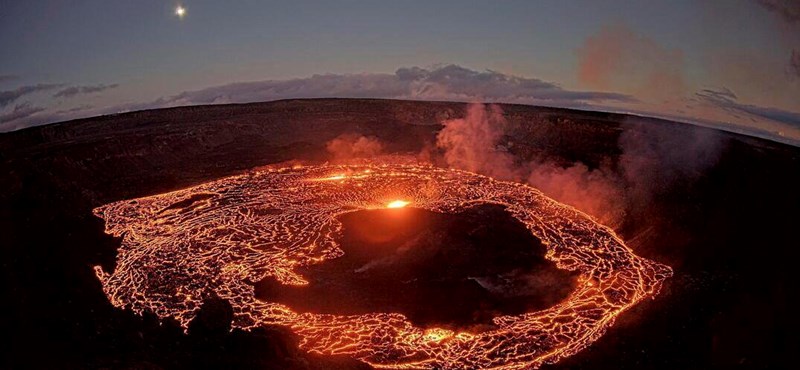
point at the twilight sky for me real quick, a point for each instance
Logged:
(733, 64)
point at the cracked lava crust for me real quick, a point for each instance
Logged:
(219, 238)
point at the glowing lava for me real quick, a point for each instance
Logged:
(397, 204)
(215, 239)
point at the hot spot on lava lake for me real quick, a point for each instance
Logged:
(397, 204)
(219, 238)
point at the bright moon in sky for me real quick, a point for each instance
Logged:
(180, 11)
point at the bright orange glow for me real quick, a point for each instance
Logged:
(437, 334)
(215, 239)
(333, 177)
(397, 204)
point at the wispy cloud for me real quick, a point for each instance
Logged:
(728, 101)
(4, 78)
(20, 111)
(9, 96)
(80, 108)
(87, 89)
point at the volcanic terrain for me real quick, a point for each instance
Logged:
(722, 227)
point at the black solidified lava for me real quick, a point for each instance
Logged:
(447, 270)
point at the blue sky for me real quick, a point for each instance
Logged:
(733, 64)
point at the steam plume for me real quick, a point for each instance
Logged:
(472, 143)
(350, 146)
(654, 158)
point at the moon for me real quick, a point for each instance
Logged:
(180, 11)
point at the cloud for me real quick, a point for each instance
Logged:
(789, 10)
(446, 82)
(449, 82)
(79, 108)
(9, 96)
(20, 111)
(316, 86)
(4, 78)
(720, 94)
(617, 58)
(87, 89)
(728, 101)
(459, 82)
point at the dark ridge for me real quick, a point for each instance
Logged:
(451, 270)
(123, 156)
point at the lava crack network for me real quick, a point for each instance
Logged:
(218, 238)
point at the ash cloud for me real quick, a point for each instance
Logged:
(86, 89)
(9, 96)
(653, 159)
(616, 57)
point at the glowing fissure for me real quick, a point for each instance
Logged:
(218, 238)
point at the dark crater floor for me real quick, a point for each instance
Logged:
(451, 270)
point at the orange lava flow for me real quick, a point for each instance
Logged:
(217, 238)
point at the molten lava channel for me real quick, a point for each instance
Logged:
(218, 238)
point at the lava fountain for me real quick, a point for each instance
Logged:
(216, 239)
